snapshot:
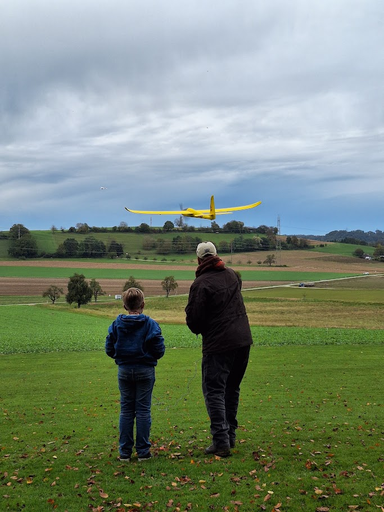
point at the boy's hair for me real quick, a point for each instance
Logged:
(133, 299)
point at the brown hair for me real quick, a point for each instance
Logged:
(133, 299)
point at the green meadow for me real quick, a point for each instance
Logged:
(311, 413)
(311, 417)
(139, 273)
(310, 434)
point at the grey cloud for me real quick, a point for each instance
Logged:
(188, 99)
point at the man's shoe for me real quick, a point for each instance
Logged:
(219, 452)
(147, 456)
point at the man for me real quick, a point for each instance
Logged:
(216, 310)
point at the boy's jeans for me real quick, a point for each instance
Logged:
(136, 385)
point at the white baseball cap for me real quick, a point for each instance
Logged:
(206, 249)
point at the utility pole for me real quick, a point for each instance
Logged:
(278, 242)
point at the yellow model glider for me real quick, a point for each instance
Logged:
(199, 214)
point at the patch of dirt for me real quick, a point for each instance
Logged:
(298, 261)
(91, 264)
(37, 286)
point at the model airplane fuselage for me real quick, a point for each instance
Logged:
(199, 214)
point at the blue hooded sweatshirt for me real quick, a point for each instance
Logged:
(135, 340)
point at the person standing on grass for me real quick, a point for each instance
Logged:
(135, 342)
(216, 310)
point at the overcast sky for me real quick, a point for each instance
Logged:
(153, 104)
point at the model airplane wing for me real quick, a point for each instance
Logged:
(199, 214)
(179, 212)
(223, 211)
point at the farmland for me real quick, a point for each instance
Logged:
(311, 413)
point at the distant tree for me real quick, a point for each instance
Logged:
(123, 227)
(53, 293)
(115, 249)
(71, 247)
(79, 290)
(270, 259)
(163, 246)
(169, 284)
(359, 253)
(271, 235)
(53, 228)
(23, 247)
(143, 228)
(149, 243)
(132, 283)
(180, 222)
(168, 226)
(215, 227)
(96, 289)
(82, 227)
(234, 226)
(184, 244)
(17, 231)
(92, 248)
(379, 251)
(224, 246)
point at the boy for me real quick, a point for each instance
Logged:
(135, 342)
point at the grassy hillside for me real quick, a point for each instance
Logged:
(343, 249)
(4, 246)
(133, 243)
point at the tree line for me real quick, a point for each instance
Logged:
(23, 244)
(356, 237)
(81, 292)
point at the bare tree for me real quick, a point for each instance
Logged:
(53, 293)
(169, 284)
(270, 259)
(132, 283)
(96, 289)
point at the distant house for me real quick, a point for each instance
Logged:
(117, 297)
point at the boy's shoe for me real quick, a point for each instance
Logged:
(147, 456)
(219, 452)
(124, 459)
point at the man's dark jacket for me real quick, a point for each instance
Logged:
(216, 309)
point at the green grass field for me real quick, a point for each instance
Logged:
(39, 329)
(311, 414)
(179, 275)
(310, 435)
(340, 249)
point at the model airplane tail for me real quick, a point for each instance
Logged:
(212, 209)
